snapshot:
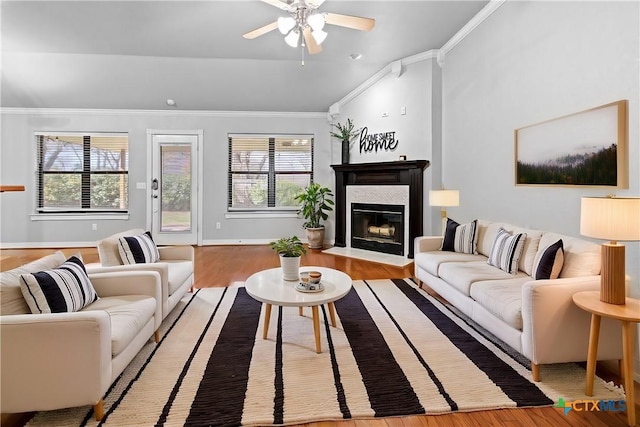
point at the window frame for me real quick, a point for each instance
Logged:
(85, 211)
(271, 174)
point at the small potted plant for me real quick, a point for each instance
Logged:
(290, 249)
(345, 133)
(315, 203)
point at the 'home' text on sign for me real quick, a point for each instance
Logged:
(378, 141)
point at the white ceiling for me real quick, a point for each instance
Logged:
(136, 54)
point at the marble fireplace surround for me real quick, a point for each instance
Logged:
(399, 182)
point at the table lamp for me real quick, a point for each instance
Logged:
(444, 198)
(611, 218)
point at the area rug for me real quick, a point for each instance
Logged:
(395, 351)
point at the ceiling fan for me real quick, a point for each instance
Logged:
(305, 22)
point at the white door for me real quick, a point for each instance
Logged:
(174, 188)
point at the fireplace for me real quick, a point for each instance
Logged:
(378, 227)
(398, 183)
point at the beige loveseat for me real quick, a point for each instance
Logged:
(537, 318)
(176, 267)
(60, 360)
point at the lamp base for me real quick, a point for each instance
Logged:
(612, 280)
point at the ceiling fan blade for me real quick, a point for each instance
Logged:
(355, 22)
(312, 46)
(277, 3)
(315, 3)
(260, 31)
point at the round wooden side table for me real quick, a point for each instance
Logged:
(628, 314)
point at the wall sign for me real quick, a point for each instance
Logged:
(377, 141)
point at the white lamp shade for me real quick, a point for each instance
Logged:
(292, 38)
(285, 24)
(444, 198)
(316, 21)
(319, 35)
(610, 218)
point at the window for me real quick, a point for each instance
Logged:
(81, 172)
(266, 172)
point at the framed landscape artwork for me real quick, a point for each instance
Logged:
(588, 148)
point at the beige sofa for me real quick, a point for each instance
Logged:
(536, 317)
(176, 267)
(59, 360)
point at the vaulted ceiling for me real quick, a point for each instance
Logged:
(137, 54)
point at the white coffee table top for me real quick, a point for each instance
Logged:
(268, 287)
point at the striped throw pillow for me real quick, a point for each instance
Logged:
(506, 250)
(138, 249)
(460, 237)
(61, 290)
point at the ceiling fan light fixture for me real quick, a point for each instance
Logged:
(286, 24)
(319, 35)
(292, 38)
(316, 21)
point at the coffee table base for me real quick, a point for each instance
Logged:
(315, 317)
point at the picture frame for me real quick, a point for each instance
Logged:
(584, 149)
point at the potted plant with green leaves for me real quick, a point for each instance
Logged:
(290, 249)
(315, 202)
(345, 133)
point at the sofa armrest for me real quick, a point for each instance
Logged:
(42, 351)
(555, 330)
(131, 283)
(159, 267)
(427, 244)
(172, 253)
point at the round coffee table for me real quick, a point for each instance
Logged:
(268, 287)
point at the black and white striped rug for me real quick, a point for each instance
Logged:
(395, 351)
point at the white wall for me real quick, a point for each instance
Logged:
(529, 62)
(417, 135)
(18, 160)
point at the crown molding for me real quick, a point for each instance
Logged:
(438, 54)
(334, 110)
(478, 19)
(167, 113)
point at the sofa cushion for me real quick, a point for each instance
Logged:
(581, 257)
(128, 314)
(548, 262)
(461, 275)
(502, 298)
(139, 249)
(460, 237)
(487, 232)
(59, 290)
(431, 261)
(108, 247)
(506, 251)
(179, 272)
(11, 299)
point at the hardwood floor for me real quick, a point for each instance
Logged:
(223, 265)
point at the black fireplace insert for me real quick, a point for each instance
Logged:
(378, 227)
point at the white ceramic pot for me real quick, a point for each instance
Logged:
(315, 237)
(290, 267)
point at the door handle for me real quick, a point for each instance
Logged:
(154, 184)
